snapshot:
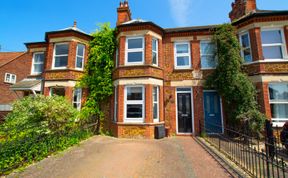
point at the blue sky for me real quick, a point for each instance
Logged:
(27, 20)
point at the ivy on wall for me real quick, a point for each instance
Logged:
(232, 83)
(98, 74)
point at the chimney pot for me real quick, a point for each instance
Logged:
(75, 24)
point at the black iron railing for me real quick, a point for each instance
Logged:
(264, 157)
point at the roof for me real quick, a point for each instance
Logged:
(69, 29)
(135, 21)
(6, 57)
(260, 13)
(25, 84)
(189, 29)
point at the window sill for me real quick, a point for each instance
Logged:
(267, 61)
(138, 124)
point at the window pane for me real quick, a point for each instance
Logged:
(79, 62)
(208, 62)
(278, 91)
(61, 61)
(269, 37)
(154, 44)
(272, 52)
(134, 110)
(38, 68)
(58, 91)
(80, 48)
(155, 111)
(154, 59)
(279, 110)
(183, 61)
(245, 41)
(247, 55)
(134, 93)
(135, 43)
(8, 78)
(155, 93)
(184, 89)
(135, 56)
(39, 58)
(77, 95)
(182, 48)
(62, 49)
(207, 48)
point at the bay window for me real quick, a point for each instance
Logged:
(77, 97)
(182, 55)
(80, 52)
(59, 91)
(134, 104)
(208, 55)
(278, 94)
(115, 104)
(60, 59)
(246, 47)
(273, 44)
(154, 51)
(38, 63)
(135, 50)
(156, 104)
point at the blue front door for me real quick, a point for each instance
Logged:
(212, 112)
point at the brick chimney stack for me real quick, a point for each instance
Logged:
(241, 8)
(123, 12)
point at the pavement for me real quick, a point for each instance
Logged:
(107, 157)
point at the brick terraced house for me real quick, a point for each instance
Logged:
(159, 72)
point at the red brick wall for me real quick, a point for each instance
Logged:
(196, 61)
(241, 8)
(21, 67)
(198, 108)
(148, 104)
(263, 98)
(256, 44)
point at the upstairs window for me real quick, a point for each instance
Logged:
(155, 51)
(135, 50)
(182, 55)
(134, 104)
(246, 47)
(38, 63)
(80, 56)
(278, 93)
(272, 44)
(10, 78)
(77, 97)
(61, 55)
(208, 55)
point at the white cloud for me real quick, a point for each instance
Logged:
(181, 11)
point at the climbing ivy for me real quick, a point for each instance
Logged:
(98, 74)
(232, 83)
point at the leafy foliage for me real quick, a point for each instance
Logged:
(231, 82)
(37, 127)
(98, 73)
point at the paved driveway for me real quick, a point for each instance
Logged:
(106, 157)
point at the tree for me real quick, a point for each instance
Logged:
(98, 73)
(231, 82)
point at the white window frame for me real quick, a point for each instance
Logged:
(135, 50)
(10, 78)
(182, 55)
(283, 44)
(83, 57)
(33, 63)
(278, 123)
(153, 51)
(242, 48)
(215, 58)
(77, 102)
(115, 103)
(54, 55)
(126, 102)
(155, 120)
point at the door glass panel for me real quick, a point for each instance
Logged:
(208, 104)
(216, 104)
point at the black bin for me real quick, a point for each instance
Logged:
(159, 131)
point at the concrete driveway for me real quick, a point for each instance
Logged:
(106, 157)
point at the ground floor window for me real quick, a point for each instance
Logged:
(278, 93)
(156, 103)
(77, 97)
(115, 104)
(57, 91)
(134, 104)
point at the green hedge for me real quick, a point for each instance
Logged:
(21, 152)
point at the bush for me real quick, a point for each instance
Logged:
(37, 127)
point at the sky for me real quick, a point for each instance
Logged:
(24, 21)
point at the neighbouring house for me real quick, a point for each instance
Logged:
(160, 72)
(49, 67)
